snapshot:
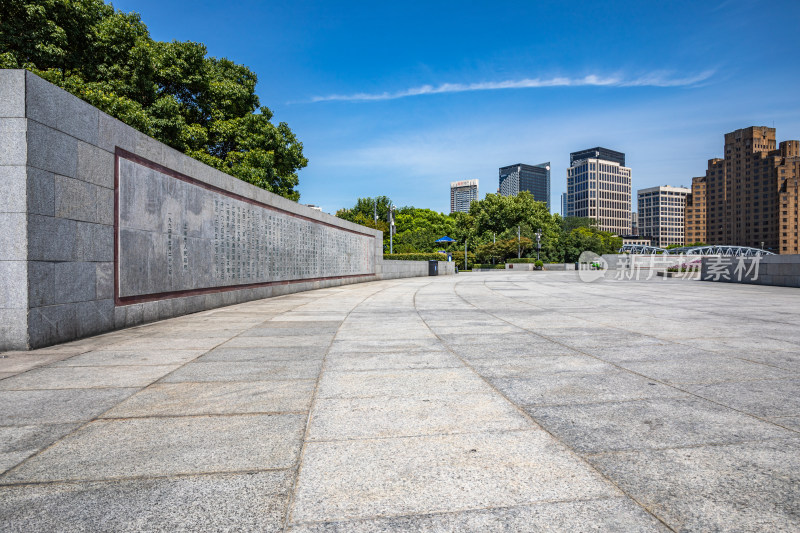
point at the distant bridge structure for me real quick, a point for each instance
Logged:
(715, 249)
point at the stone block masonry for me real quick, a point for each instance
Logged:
(103, 227)
(777, 270)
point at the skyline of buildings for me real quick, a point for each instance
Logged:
(462, 194)
(750, 196)
(661, 212)
(534, 179)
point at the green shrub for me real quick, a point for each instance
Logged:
(539, 263)
(523, 260)
(416, 257)
(501, 266)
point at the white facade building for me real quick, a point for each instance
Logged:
(462, 194)
(599, 187)
(661, 214)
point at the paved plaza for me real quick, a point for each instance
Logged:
(526, 401)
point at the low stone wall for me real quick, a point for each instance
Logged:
(559, 266)
(520, 266)
(409, 269)
(777, 270)
(547, 266)
(104, 227)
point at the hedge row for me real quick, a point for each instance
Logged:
(415, 257)
(501, 266)
(523, 260)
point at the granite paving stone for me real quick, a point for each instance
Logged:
(20, 442)
(14, 363)
(541, 365)
(738, 487)
(359, 346)
(650, 424)
(220, 502)
(430, 383)
(789, 422)
(353, 362)
(438, 474)
(487, 351)
(333, 418)
(245, 371)
(164, 399)
(581, 388)
(81, 377)
(608, 514)
(131, 357)
(763, 398)
(317, 341)
(198, 342)
(168, 445)
(685, 370)
(29, 407)
(271, 353)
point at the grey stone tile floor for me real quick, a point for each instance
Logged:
(497, 401)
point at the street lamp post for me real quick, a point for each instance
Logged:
(391, 229)
(538, 242)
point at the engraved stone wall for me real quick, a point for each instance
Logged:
(175, 234)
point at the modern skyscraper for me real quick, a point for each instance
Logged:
(599, 187)
(634, 224)
(564, 211)
(750, 196)
(532, 178)
(462, 194)
(696, 215)
(661, 212)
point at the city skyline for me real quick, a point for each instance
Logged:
(403, 108)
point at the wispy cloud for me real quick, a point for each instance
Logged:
(654, 79)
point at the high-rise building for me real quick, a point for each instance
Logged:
(599, 187)
(751, 195)
(564, 210)
(634, 224)
(696, 215)
(462, 194)
(532, 178)
(661, 212)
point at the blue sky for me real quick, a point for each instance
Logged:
(399, 99)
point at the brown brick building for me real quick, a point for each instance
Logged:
(751, 196)
(695, 218)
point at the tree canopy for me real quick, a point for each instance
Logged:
(490, 229)
(173, 91)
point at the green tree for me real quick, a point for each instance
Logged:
(203, 106)
(501, 250)
(420, 228)
(583, 239)
(365, 209)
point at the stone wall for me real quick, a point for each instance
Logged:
(104, 227)
(778, 270)
(408, 269)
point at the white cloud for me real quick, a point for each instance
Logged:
(654, 79)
